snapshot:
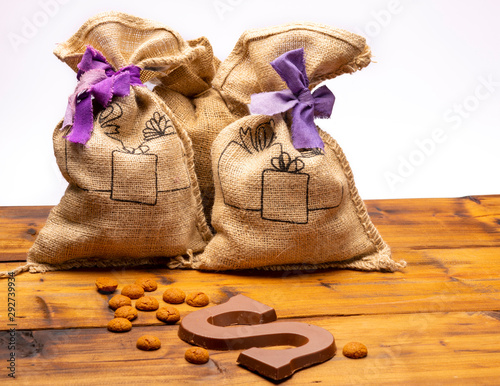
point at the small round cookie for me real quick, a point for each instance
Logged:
(174, 296)
(147, 303)
(148, 343)
(127, 312)
(118, 301)
(355, 350)
(196, 355)
(168, 314)
(119, 325)
(197, 299)
(133, 291)
(106, 284)
(149, 285)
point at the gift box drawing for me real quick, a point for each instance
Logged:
(285, 190)
(260, 171)
(139, 168)
(241, 188)
(138, 185)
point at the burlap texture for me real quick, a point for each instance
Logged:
(279, 208)
(329, 52)
(133, 196)
(208, 115)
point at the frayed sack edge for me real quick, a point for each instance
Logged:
(378, 261)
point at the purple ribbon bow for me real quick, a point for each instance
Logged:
(291, 68)
(96, 80)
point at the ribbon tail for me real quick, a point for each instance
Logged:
(70, 111)
(83, 121)
(323, 102)
(270, 103)
(304, 132)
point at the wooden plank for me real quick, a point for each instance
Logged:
(405, 223)
(428, 348)
(438, 223)
(436, 322)
(18, 229)
(435, 281)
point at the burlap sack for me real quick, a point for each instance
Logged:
(330, 52)
(277, 207)
(280, 208)
(133, 196)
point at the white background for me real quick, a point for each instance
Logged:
(423, 121)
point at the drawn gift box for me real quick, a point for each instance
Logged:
(138, 183)
(285, 191)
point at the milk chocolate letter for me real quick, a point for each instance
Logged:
(209, 328)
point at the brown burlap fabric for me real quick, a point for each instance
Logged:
(208, 115)
(133, 196)
(276, 207)
(329, 51)
(279, 208)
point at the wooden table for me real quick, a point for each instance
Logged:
(437, 322)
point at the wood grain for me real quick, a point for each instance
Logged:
(431, 348)
(435, 280)
(437, 322)
(406, 223)
(18, 229)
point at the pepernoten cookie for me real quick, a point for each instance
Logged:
(106, 284)
(127, 312)
(174, 296)
(197, 299)
(118, 301)
(147, 303)
(133, 291)
(148, 343)
(148, 284)
(355, 350)
(168, 314)
(196, 355)
(119, 325)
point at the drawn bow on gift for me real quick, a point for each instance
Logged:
(306, 105)
(285, 163)
(96, 81)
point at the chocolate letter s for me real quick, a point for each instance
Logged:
(252, 328)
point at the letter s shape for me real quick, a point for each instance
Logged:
(257, 327)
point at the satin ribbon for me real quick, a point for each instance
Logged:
(306, 105)
(96, 81)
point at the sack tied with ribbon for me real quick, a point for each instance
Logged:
(246, 71)
(133, 196)
(285, 196)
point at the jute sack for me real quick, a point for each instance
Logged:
(285, 197)
(330, 52)
(280, 208)
(133, 196)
